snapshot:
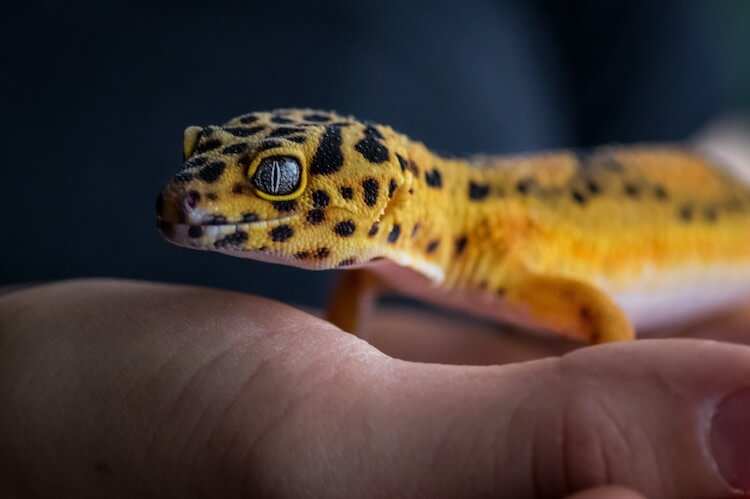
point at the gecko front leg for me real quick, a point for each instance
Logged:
(353, 300)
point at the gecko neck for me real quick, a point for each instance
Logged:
(439, 209)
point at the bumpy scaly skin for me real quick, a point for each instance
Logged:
(548, 241)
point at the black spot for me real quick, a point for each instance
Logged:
(631, 190)
(660, 193)
(394, 233)
(183, 177)
(373, 230)
(211, 196)
(733, 204)
(477, 192)
(280, 120)
(250, 217)
(195, 231)
(236, 239)
(283, 206)
(243, 131)
(269, 144)
(299, 139)
(392, 186)
(345, 228)
(281, 233)
(194, 162)
(415, 230)
(322, 253)
(501, 291)
(525, 185)
(248, 119)
(434, 178)
(347, 262)
(372, 131)
(316, 118)
(328, 158)
(585, 313)
(302, 255)
(320, 199)
(593, 187)
(347, 192)
(235, 149)
(212, 171)
(245, 160)
(371, 148)
(611, 164)
(686, 213)
(413, 167)
(239, 188)
(216, 220)
(208, 145)
(461, 244)
(401, 161)
(433, 245)
(371, 189)
(283, 131)
(710, 214)
(578, 197)
(316, 216)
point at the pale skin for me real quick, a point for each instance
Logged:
(129, 389)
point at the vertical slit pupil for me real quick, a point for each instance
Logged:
(275, 176)
(278, 175)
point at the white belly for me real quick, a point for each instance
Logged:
(652, 301)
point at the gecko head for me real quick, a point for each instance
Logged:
(300, 187)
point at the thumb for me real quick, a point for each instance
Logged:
(668, 418)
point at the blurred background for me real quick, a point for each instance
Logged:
(95, 96)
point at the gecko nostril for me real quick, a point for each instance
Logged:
(191, 199)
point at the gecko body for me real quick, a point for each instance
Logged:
(587, 245)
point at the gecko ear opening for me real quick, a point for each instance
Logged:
(191, 135)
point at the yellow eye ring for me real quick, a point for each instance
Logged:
(278, 169)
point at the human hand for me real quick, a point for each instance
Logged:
(123, 389)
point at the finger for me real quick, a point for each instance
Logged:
(182, 390)
(113, 388)
(607, 493)
(666, 418)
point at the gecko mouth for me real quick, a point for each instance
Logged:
(216, 236)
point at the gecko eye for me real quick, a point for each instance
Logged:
(277, 175)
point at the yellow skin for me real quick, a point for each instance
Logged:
(547, 241)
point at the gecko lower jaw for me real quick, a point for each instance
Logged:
(212, 236)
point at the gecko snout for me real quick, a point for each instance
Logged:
(180, 208)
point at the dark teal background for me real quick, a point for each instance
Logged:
(95, 96)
